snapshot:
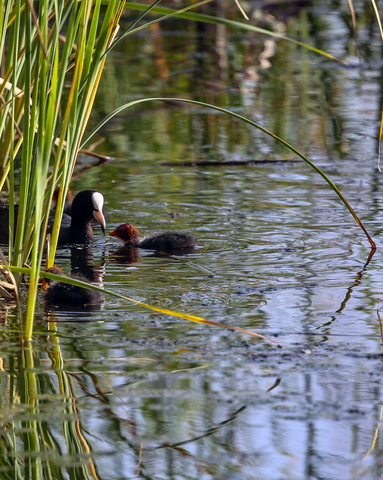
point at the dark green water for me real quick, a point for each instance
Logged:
(122, 391)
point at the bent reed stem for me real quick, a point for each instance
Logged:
(250, 122)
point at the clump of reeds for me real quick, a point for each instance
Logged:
(42, 122)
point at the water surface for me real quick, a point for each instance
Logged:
(121, 391)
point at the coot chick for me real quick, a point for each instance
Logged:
(165, 242)
(64, 294)
(86, 206)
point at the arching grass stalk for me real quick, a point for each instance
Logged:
(199, 17)
(250, 122)
(185, 316)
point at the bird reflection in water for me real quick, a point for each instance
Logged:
(127, 255)
(65, 297)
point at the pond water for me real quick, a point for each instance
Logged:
(124, 392)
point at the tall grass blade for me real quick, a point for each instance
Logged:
(123, 34)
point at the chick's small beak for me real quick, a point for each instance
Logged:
(98, 215)
(113, 234)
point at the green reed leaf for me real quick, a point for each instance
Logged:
(185, 316)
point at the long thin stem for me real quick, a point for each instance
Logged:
(250, 122)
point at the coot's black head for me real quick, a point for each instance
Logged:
(87, 205)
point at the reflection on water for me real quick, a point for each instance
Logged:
(122, 391)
